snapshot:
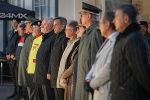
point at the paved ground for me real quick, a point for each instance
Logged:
(5, 90)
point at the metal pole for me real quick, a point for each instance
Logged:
(1, 73)
(56, 8)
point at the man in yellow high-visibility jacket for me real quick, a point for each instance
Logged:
(32, 58)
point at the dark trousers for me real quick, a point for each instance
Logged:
(23, 92)
(48, 92)
(14, 73)
(59, 93)
(31, 93)
(39, 93)
(44, 92)
(31, 88)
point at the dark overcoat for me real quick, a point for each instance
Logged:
(56, 54)
(43, 58)
(130, 66)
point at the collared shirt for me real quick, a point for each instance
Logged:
(111, 38)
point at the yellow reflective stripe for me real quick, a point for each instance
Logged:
(32, 56)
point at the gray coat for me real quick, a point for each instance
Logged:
(101, 70)
(24, 55)
(89, 44)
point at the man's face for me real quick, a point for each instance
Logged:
(69, 31)
(119, 21)
(28, 28)
(143, 29)
(14, 24)
(84, 18)
(20, 31)
(57, 26)
(46, 27)
(102, 26)
(36, 29)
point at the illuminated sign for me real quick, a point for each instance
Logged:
(13, 15)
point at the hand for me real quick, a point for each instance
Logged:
(64, 81)
(48, 76)
(8, 57)
(27, 69)
(13, 57)
(88, 81)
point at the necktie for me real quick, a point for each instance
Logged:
(105, 42)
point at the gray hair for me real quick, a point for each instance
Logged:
(49, 20)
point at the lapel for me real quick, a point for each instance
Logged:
(108, 44)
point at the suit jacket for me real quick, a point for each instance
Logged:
(12, 43)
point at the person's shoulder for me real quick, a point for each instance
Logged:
(135, 34)
(135, 38)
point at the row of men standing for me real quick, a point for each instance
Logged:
(45, 54)
(49, 50)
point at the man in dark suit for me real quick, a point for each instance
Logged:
(130, 65)
(42, 60)
(56, 54)
(10, 53)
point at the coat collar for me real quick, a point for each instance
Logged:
(39, 35)
(131, 28)
(93, 26)
(45, 35)
(61, 34)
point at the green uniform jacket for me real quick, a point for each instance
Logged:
(89, 44)
(23, 62)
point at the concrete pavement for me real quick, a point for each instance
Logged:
(5, 91)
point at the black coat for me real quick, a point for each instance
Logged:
(12, 42)
(130, 66)
(147, 36)
(43, 57)
(56, 54)
(75, 68)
